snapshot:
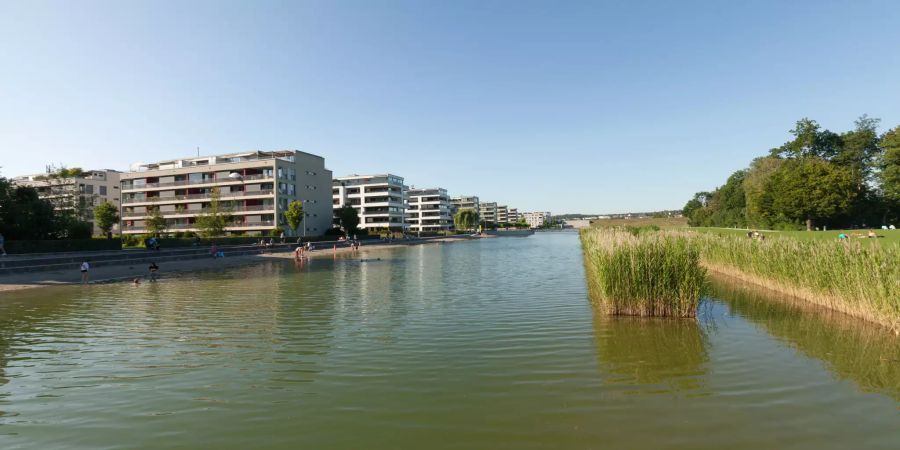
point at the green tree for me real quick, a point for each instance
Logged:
(757, 200)
(212, 223)
(810, 189)
(809, 140)
(695, 209)
(349, 219)
(105, 216)
(294, 214)
(465, 219)
(156, 223)
(889, 170)
(24, 215)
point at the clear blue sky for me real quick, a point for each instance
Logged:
(562, 106)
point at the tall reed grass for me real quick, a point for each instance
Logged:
(642, 273)
(860, 280)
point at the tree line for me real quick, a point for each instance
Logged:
(819, 178)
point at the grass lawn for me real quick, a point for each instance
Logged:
(889, 236)
(662, 222)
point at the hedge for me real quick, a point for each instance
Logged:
(62, 245)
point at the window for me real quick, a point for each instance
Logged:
(102, 190)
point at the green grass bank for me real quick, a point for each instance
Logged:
(646, 274)
(860, 277)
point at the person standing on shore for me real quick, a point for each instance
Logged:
(2, 245)
(85, 267)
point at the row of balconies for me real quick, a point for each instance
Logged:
(190, 197)
(194, 212)
(242, 226)
(214, 181)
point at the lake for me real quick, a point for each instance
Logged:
(480, 344)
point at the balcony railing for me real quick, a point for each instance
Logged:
(223, 195)
(196, 182)
(193, 226)
(232, 209)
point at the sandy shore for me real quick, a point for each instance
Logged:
(110, 274)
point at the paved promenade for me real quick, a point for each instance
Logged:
(139, 267)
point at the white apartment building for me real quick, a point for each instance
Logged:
(256, 187)
(380, 200)
(77, 192)
(429, 210)
(536, 219)
(489, 212)
(512, 215)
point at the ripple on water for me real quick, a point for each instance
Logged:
(486, 344)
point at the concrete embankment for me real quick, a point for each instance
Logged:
(130, 264)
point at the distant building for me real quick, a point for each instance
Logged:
(512, 215)
(502, 214)
(463, 202)
(429, 210)
(489, 212)
(256, 187)
(380, 200)
(78, 193)
(536, 219)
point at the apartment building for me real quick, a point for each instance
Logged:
(76, 191)
(256, 187)
(380, 200)
(465, 201)
(536, 219)
(489, 212)
(502, 214)
(512, 215)
(429, 210)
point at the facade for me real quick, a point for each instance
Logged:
(502, 214)
(536, 219)
(512, 215)
(255, 187)
(465, 201)
(380, 200)
(78, 193)
(489, 212)
(429, 210)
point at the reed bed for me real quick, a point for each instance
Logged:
(630, 272)
(860, 280)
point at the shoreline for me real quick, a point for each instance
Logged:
(114, 274)
(814, 299)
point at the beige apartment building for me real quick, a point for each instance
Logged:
(256, 187)
(464, 202)
(77, 193)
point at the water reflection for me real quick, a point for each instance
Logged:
(852, 349)
(651, 354)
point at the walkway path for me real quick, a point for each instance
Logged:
(105, 274)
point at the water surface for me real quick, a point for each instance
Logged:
(484, 344)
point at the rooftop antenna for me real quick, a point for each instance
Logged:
(198, 151)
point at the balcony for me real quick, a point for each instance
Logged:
(190, 197)
(216, 181)
(240, 226)
(194, 212)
